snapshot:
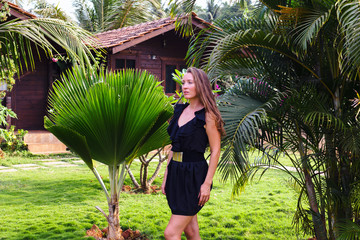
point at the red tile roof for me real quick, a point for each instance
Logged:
(120, 36)
(18, 12)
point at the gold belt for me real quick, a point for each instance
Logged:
(177, 156)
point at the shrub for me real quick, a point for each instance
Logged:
(12, 141)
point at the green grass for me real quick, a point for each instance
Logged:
(59, 203)
(256, 156)
(27, 157)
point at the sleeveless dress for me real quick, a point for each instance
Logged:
(185, 178)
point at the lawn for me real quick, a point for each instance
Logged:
(59, 203)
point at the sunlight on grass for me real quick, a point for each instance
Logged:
(59, 203)
(257, 155)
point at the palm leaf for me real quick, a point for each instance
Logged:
(348, 230)
(71, 138)
(182, 10)
(115, 112)
(326, 120)
(310, 24)
(242, 116)
(351, 141)
(349, 17)
(158, 139)
(274, 4)
(17, 37)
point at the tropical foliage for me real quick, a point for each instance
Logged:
(221, 10)
(211, 11)
(98, 16)
(12, 140)
(21, 39)
(111, 118)
(48, 10)
(305, 55)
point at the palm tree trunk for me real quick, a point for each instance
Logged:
(319, 224)
(342, 170)
(332, 178)
(114, 231)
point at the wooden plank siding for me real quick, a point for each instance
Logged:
(29, 96)
(167, 48)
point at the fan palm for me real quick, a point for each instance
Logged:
(308, 52)
(111, 118)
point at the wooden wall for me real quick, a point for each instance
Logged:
(153, 54)
(29, 96)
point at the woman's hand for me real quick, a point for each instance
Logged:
(163, 187)
(204, 194)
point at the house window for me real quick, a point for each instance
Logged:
(170, 84)
(121, 63)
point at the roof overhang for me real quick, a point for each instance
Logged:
(17, 12)
(114, 48)
(142, 38)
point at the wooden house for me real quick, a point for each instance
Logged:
(28, 98)
(153, 46)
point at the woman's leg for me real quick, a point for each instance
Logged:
(176, 226)
(192, 229)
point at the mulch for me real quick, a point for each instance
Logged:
(128, 234)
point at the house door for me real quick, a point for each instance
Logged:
(168, 69)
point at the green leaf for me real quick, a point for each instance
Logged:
(72, 139)
(118, 114)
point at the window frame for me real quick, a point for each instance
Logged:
(171, 61)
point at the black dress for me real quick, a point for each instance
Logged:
(185, 178)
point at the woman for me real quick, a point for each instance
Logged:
(188, 178)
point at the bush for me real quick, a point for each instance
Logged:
(13, 141)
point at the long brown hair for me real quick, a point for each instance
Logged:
(207, 98)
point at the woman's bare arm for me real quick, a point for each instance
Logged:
(215, 148)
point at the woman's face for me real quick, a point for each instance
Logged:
(188, 86)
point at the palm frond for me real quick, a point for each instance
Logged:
(129, 12)
(350, 141)
(274, 4)
(348, 230)
(242, 116)
(349, 17)
(325, 120)
(182, 11)
(231, 45)
(17, 37)
(73, 139)
(310, 24)
(48, 10)
(117, 113)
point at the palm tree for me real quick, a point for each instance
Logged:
(211, 11)
(307, 53)
(99, 15)
(111, 118)
(47, 10)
